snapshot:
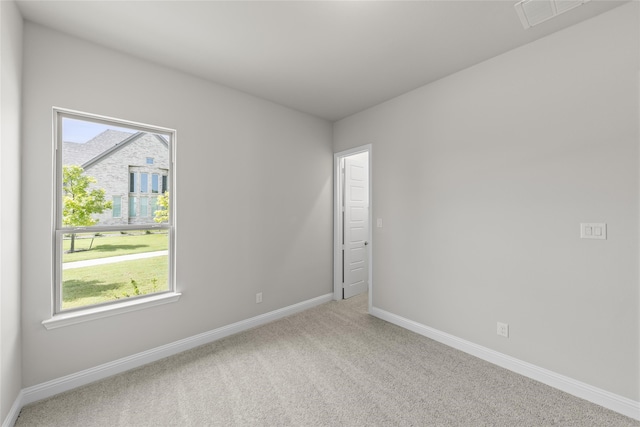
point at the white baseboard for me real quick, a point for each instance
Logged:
(609, 400)
(68, 382)
(12, 416)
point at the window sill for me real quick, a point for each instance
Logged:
(66, 319)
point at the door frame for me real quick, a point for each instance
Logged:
(337, 220)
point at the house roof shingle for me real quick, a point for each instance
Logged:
(78, 154)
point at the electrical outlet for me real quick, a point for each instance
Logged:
(258, 297)
(503, 329)
(592, 230)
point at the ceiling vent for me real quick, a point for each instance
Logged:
(533, 12)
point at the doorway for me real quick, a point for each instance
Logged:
(352, 223)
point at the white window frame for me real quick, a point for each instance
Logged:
(81, 314)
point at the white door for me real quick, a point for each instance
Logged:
(356, 225)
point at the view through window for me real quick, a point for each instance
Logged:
(114, 229)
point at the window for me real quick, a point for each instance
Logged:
(154, 183)
(133, 182)
(116, 210)
(102, 171)
(144, 205)
(164, 184)
(132, 207)
(144, 182)
(153, 204)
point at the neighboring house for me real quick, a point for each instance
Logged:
(132, 168)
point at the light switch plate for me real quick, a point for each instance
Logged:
(593, 230)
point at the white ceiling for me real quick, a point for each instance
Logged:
(327, 58)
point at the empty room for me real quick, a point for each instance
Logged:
(330, 213)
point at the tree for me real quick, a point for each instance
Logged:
(79, 202)
(162, 214)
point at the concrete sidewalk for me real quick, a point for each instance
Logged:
(111, 260)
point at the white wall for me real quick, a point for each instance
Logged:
(482, 179)
(10, 86)
(263, 223)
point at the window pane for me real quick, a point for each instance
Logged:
(132, 182)
(117, 206)
(132, 207)
(154, 183)
(144, 182)
(164, 184)
(110, 278)
(153, 204)
(144, 212)
(114, 160)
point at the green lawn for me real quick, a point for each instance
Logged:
(113, 245)
(110, 282)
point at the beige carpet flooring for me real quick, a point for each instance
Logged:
(333, 365)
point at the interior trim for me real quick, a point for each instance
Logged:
(68, 382)
(93, 313)
(617, 403)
